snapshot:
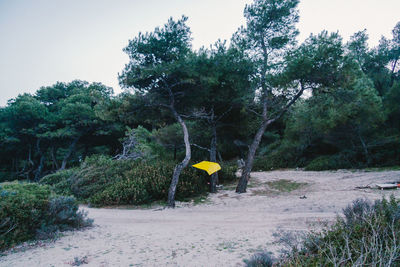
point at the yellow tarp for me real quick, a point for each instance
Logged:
(208, 166)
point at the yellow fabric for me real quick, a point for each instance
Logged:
(208, 166)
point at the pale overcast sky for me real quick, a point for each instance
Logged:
(45, 41)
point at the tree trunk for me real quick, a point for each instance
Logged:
(213, 158)
(30, 161)
(39, 169)
(53, 153)
(242, 185)
(219, 156)
(69, 153)
(178, 168)
(85, 152)
(392, 73)
(365, 150)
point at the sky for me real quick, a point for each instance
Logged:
(45, 41)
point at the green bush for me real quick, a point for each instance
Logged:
(279, 155)
(262, 259)
(29, 210)
(365, 236)
(228, 172)
(7, 176)
(23, 206)
(331, 162)
(127, 191)
(60, 181)
(62, 214)
(149, 182)
(102, 181)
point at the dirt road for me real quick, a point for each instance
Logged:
(220, 232)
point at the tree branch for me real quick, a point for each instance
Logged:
(204, 148)
(291, 102)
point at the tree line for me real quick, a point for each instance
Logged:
(265, 98)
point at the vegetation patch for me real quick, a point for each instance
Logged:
(285, 185)
(31, 211)
(366, 235)
(382, 169)
(333, 162)
(102, 181)
(276, 187)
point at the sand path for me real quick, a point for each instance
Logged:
(220, 232)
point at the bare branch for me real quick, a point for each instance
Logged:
(204, 148)
(253, 111)
(223, 114)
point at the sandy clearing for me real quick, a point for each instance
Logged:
(221, 232)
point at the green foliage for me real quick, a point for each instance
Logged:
(30, 210)
(102, 181)
(7, 176)
(391, 101)
(24, 206)
(262, 259)
(331, 162)
(55, 127)
(344, 123)
(121, 193)
(60, 181)
(62, 215)
(228, 172)
(96, 173)
(284, 185)
(285, 155)
(357, 238)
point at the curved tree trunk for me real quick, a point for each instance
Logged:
(213, 158)
(39, 169)
(178, 168)
(53, 153)
(242, 185)
(69, 153)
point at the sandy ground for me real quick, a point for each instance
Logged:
(222, 231)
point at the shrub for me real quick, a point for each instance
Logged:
(63, 214)
(7, 176)
(29, 210)
(23, 206)
(331, 162)
(280, 155)
(228, 172)
(148, 182)
(262, 259)
(60, 181)
(94, 175)
(128, 191)
(367, 235)
(102, 181)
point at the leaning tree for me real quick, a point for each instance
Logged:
(159, 74)
(269, 32)
(284, 71)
